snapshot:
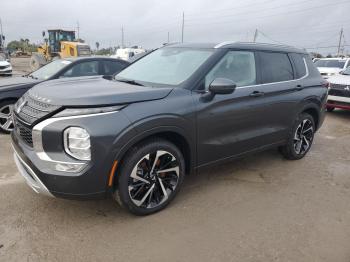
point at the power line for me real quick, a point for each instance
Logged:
(255, 11)
(268, 16)
(183, 27)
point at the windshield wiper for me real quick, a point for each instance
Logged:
(129, 81)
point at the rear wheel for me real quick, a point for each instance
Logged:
(300, 139)
(6, 110)
(150, 177)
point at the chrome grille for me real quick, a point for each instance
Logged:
(339, 86)
(29, 109)
(23, 131)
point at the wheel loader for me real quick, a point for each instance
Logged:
(59, 44)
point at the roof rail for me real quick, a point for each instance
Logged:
(251, 43)
(224, 43)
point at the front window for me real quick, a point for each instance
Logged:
(166, 66)
(330, 63)
(238, 66)
(49, 70)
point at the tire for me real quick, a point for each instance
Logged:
(36, 61)
(300, 139)
(330, 108)
(142, 192)
(6, 124)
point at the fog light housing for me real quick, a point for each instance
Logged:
(77, 143)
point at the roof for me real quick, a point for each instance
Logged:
(242, 45)
(79, 58)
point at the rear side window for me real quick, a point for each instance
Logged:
(111, 67)
(300, 69)
(275, 67)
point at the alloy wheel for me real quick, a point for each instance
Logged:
(6, 122)
(303, 136)
(153, 179)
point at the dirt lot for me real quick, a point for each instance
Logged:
(261, 208)
(20, 65)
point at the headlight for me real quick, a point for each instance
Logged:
(330, 74)
(88, 111)
(77, 143)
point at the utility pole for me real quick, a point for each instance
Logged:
(168, 38)
(78, 29)
(2, 41)
(340, 38)
(122, 37)
(183, 27)
(255, 35)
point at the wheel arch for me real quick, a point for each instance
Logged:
(173, 134)
(312, 109)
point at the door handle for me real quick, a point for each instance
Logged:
(257, 94)
(299, 87)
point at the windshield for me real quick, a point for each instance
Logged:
(330, 63)
(166, 66)
(346, 71)
(50, 69)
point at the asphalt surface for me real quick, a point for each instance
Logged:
(260, 208)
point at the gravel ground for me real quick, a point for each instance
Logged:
(260, 208)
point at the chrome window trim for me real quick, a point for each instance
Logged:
(298, 79)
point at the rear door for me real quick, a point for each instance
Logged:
(280, 93)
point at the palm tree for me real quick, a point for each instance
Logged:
(97, 45)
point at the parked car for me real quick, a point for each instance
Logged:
(339, 91)
(11, 89)
(179, 109)
(5, 66)
(332, 66)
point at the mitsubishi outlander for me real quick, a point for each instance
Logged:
(178, 109)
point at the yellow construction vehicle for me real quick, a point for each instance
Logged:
(60, 44)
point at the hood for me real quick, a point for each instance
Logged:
(339, 80)
(17, 83)
(329, 70)
(95, 91)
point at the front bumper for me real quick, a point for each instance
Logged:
(89, 183)
(342, 102)
(29, 175)
(6, 71)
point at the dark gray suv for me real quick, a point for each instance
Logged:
(178, 109)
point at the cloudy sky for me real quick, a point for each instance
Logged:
(313, 24)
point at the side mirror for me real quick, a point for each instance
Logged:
(43, 33)
(222, 86)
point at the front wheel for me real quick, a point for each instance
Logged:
(150, 177)
(6, 110)
(300, 139)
